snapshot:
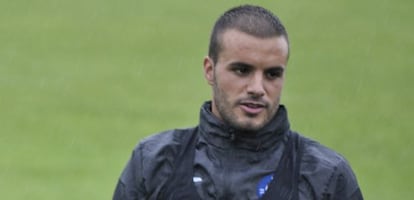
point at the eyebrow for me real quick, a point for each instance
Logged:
(242, 64)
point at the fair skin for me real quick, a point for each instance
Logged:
(247, 79)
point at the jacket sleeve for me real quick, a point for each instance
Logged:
(130, 184)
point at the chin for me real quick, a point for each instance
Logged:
(251, 126)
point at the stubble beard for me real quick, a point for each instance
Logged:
(229, 117)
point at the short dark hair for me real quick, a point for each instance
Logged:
(253, 20)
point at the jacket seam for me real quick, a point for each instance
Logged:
(326, 194)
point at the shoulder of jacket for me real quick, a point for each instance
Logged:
(322, 166)
(315, 153)
(155, 156)
(162, 143)
(152, 160)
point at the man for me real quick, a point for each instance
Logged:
(243, 147)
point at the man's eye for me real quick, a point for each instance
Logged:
(273, 74)
(241, 70)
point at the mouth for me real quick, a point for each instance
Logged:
(252, 107)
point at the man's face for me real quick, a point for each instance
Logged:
(247, 79)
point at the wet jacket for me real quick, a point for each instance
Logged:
(224, 163)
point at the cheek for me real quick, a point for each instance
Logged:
(230, 84)
(274, 89)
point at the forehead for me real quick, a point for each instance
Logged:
(237, 45)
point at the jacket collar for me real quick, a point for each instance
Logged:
(221, 135)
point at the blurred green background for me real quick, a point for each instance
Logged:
(81, 82)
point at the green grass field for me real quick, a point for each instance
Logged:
(81, 82)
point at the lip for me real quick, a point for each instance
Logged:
(252, 108)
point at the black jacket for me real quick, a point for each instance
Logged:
(228, 164)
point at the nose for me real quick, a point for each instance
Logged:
(255, 87)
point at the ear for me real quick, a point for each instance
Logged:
(209, 70)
